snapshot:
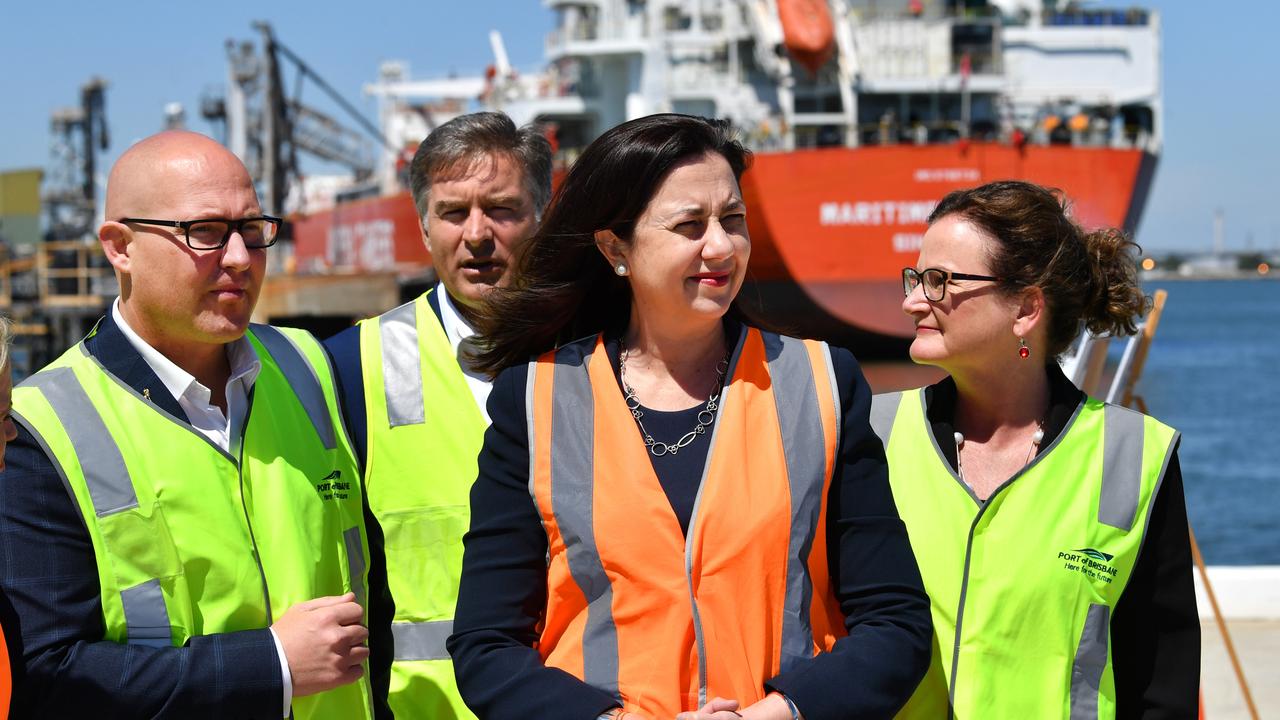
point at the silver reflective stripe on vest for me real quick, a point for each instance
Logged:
(1090, 663)
(422, 640)
(355, 560)
(301, 378)
(803, 445)
(146, 620)
(402, 366)
(105, 474)
(572, 493)
(884, 410)
(1121, 467)
(530, 427)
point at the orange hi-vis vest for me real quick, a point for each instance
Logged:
(636, 608)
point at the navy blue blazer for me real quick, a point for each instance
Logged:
(49, 574)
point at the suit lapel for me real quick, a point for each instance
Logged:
(117, 355)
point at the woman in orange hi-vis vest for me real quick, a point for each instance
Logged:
(8, 620)
(678, 514)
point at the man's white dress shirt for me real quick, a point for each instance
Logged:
(459, 332)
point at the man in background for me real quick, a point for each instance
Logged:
(415, 410)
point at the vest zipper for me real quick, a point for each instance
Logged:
(693, 603)
(253, 540)
(964, 590)
(699, 639)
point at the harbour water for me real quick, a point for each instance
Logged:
(1213, 373)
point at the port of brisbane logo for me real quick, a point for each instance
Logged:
(1093, 564)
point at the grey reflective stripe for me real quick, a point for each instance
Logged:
(302, 380)
(146, 620)
(572, 495)
(105, 473)
(803, 444)
(1090, 663)
(884, 410)
(530, 421)
(829, 362)
(422, 640)
(1121, 467)
(402, 366)
(355, 560)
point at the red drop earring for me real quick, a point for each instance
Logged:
(1024, 352)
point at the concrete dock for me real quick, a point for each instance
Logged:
(1249, 598)
(1257, 644)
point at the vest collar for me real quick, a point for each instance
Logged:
(1065, 400)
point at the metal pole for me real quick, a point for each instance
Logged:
(1222, 625)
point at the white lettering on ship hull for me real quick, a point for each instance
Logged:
(367, 245)
(907, 242)
(875, 212)
(948, 175)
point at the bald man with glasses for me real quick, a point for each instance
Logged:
(182, 513)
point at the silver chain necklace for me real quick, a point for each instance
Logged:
(705, 417)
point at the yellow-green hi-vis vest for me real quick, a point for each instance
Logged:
(191, 540)
(424, 432)
(1023, 586)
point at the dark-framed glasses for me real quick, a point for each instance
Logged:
(935, 281)
(212, 233)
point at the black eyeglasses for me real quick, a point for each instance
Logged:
(935, 281)
(212, 233)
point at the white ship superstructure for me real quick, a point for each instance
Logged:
(895, 72)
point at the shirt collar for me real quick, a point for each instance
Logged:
(455, 326)
(241, 356)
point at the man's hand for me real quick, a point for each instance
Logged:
(323, 643)
(717, 709)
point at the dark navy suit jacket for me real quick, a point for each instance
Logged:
(49, 574)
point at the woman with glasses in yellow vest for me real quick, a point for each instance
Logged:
(678, 514)
(1050, 527)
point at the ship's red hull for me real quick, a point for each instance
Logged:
(831, 229)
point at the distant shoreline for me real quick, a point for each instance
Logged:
(1163, 275)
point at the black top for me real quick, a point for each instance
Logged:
(679, 473)
(1155, 631)
(504, 585)
(50, 575)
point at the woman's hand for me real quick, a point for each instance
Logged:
(717, 709)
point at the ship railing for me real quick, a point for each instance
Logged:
(60, 274)
(942, 132)
(1098, 17)
(928, 11)
(891, 50)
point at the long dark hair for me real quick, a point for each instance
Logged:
(563, 288)
(1089, 278)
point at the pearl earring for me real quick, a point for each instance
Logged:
(620, 269)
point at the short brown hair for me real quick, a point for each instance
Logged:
(467, 137)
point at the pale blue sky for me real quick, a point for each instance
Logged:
(1222, 108)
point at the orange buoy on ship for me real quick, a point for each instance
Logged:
(807, 32)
